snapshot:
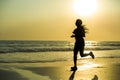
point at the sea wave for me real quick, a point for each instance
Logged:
(46, 46)
(12, 50)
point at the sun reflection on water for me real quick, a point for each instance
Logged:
(87, 65)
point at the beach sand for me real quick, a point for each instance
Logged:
(88, 69)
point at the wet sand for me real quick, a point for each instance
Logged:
(88, 69)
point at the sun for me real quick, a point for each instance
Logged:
(85, 7)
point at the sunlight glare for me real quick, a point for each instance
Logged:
(88, 65)
(85, 7)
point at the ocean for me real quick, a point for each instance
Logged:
(47, 51)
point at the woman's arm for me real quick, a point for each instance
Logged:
(72, 36)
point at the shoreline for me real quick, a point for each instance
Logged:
(44, 57)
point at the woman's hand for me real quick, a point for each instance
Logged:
(72, 36)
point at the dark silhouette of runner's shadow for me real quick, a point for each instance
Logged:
(95, 77)
(72, 75)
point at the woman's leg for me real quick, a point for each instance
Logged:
(82, 54)
(76, 48)
(75, 57)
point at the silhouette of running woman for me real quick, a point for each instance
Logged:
(79, 34)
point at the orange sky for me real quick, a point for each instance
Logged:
(54, 20)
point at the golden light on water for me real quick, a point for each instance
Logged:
(87, 65)
(85, 7)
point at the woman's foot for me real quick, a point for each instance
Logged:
(73, 68)
(92, 55)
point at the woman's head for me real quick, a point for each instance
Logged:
(78, 22)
